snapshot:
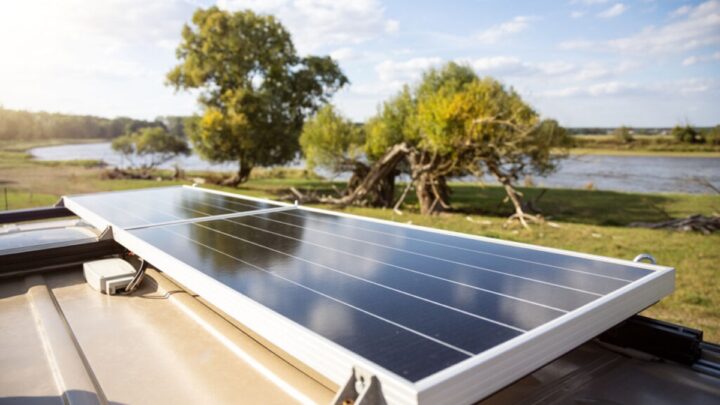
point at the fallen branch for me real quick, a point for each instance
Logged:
(702, 181)
(695, 223)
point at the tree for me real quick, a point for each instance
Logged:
(712, 135)
(487, 128)
(154, 144)
(623, 134)
(454, 123)
(255, 90)
(332, 141)
(686, 134)
(399, 122)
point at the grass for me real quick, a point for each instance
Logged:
(580, 220)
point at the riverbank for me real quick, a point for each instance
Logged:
(641, 145)
(640, 152)
(589, 221)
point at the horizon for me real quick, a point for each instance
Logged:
(575, 61)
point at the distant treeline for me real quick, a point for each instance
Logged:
(26, 125)
(633, 130)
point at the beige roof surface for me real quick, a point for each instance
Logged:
(160, 345)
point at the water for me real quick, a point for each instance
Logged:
(622, 173)
(103, 151)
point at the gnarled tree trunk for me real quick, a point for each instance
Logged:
(380, 179)
(514, 196)
(241, 176)
(381, 194)
(432, 191)
(378, 173)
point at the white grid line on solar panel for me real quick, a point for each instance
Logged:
(211, 217)
(452, 281)
(451, 246)
(439, 258)
(401, 267)
(520, 299)
(360, 278)
(463, 351)
(460, 350)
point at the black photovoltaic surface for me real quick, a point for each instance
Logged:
(409, 300)
(128, 209)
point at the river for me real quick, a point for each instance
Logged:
(647, 174)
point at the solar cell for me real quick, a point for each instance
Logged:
(432, 314)
(142, 207)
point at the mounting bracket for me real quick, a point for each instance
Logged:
(106, 234)
(360, 389)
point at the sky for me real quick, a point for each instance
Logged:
(583, 62)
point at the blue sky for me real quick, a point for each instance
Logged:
(584, 62)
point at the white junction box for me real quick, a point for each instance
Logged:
(108, 275)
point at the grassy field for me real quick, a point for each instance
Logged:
(580, 220)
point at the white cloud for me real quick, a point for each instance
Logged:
(613, 11)
(497, 63)
(577, 14)
(699, 27)
(394, 74)
(392, 26)
(683, 87)
(680, 11)
(691, 60)
(342, 54)
(508, 66)
(589, 2)
(575, 44)
(497, 32)
(696, 29)
(315, 24)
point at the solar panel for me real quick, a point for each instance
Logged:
(156, 206)
(436, 316)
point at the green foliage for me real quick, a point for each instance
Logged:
(256, 91)
(481, 125)
(125, 145)
(393, 124)
(712, 135)
(623, 134)
(28, 125)
(687, 134)
(155, 145)
(332, 141)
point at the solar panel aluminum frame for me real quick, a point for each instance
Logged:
(465, 382)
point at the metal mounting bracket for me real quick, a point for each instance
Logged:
(360, 389)
(645, 256)
(106, 234)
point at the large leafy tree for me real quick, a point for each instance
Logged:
(487, 128)
(400, 122)
(255, 90)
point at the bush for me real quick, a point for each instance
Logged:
(623, 135)
(687, 134)
(712, 135)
